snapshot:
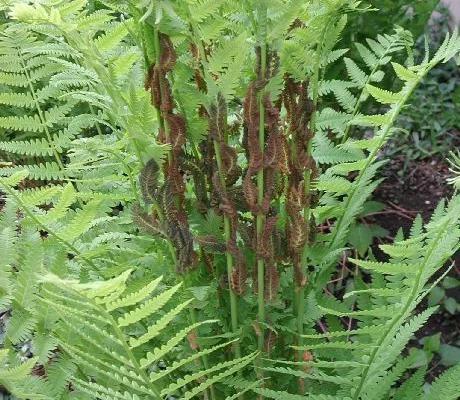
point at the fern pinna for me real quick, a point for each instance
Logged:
(252, 168)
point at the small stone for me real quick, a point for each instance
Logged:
(427, 202)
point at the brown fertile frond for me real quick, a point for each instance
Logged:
(206, 148)
(279, 184)
(176, 131)
(208, 261)
(193, 48)
(225, 205)
(271, 114)
(246, 232)
(218, 118)
(232, 247)
(210, 243)
(263, 79)
(272, 152)
(271, 279)
(186, 257)
(166, 101)
(249, 190)
(233, 175)
(289, 95)
(190, 164)
(148, 80)
(148, 181)
(152, 82)
(176, 180)
(295, 199)
(193, 167)
(264, 249)
(269, 180)
(166, 200)
(283, 161)
(251, 121)
(229, 158)
(279, 245)
(296, 232)
(146, 222)
(236, 195)
(168, 56)
(239, 276)
(303, 115)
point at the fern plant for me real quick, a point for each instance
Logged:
(250, 177)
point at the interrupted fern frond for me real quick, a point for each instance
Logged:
(121, 367)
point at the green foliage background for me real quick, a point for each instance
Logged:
(140, 254)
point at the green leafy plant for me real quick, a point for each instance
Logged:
(454, 162)
(413, 15)
(436, 97)
(250, 184)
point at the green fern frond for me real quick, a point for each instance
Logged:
(412, 387)
(383, 96)
(113, 37)
(118, 363)
(148, 307)
(20, 327)
(445, 386)
(230, 366)
(201, 9)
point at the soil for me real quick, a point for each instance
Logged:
(417, 191)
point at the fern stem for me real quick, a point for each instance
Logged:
(73, 249)
(193, 319)
(229, 257)
(162, 121)
(300, 291)
(227, 230)
(262, 24)
(42, 117)
(97, 124)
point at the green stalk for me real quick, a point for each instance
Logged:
(227, 233)
(227, 230)
(262, 20)
(163, 122)
(41, 116)
(193, 320)
(300, 291)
